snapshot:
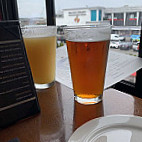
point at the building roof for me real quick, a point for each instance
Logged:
(125, 8)
(80, 8)
(126, 28)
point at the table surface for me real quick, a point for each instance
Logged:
(61, 115)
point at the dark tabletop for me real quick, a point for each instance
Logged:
(61, 115)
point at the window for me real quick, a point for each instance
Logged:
(118, 19)
(100, 15)
(93, 15)
(140, 18)
(125, 20)
(0, 16)
(32, 12)
(0, 13)
(131, 19)
(108, 16)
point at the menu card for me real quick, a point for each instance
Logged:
(119, 66)
(18, 97)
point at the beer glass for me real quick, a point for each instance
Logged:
(87, 48)
(40, 43)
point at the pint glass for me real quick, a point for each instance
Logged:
(87, 51)
(40, 43)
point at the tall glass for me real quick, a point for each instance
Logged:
(40, 43)
(88, 50)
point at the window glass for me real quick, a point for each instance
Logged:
(32, 12)
(131, 19)
(0, 16)
(100, 15)
(118, 19)
(124, 16)
(93, 15)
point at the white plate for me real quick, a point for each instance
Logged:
(114, 128)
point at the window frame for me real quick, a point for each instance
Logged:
(9, 9)
(125, 86)
(132, 88)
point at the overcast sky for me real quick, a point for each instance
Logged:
(61, 4)
(35, 8)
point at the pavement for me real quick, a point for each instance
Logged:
(129, 52)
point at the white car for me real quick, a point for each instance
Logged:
(136, 46)
(114, 44)
(117, 37)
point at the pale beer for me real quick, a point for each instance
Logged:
(40, 43)
(41, 52)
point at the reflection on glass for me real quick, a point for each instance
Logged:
(84, 113)
(51, 120)
(67, 97)
(32, 12)
(0, 16)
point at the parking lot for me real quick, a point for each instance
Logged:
(129, 52)
(130, 78)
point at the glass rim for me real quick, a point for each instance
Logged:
(38, 27)
(97, 25)
(87, 33)
(35, 31)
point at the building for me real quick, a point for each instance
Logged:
(79, 16)
(32, 21)
(125, 20)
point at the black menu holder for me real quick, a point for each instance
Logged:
(18, 99)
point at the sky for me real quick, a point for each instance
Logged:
(36, 8)
(61, 4)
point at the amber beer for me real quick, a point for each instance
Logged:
(88, 59)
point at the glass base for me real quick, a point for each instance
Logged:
(89, 101)
(44, 86)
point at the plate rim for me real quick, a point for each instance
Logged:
(103, 117)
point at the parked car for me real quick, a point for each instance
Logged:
(121, 38)
(135, 38)
(61, 38)
(117, 37)
(136, 46)
(126, 45)
(60, 34)
(114, 44)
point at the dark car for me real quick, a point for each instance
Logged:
(61, 38)
(125, 45)
(60, 34)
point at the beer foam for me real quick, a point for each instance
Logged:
(90, 34)
(39, 31)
